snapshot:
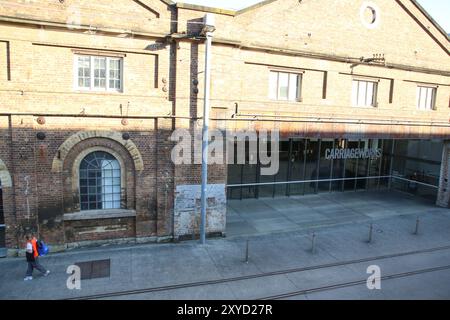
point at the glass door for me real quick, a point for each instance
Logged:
(351, 167)
(374, 165)
(325, 166)
(311, 167)
(284, 169)
(297, 173)
(338, 170)
(362, 164)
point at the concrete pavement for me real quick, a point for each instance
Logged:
(268, 215)
(159, 265)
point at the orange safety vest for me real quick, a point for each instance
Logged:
(34, 244)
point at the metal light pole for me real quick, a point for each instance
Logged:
(208, 29)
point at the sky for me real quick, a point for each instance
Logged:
(438, 9)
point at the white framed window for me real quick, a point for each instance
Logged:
(426, 97)
(98, 73)
(285, 86)
(364, 93)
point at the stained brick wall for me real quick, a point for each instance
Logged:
(44, 195)
(104, 229)
(276, 36)
(37, 74)
(443, 198)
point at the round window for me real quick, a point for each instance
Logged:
(370, 15)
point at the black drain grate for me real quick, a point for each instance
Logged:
(94, 269)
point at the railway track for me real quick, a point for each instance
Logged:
(283, 272)
(353, 283)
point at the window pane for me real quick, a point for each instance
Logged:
(99, 72)
(369, 94)
(114, 74)
(423, 98)
(273, 85)
(429, 98)
(363, 93)
(283, 86)
(426, 98)
(362, 89)
(293, 86)
(355, 93)
(104, 189)
(433, 98)
(107, 72)
(419, 92)
(84, 72)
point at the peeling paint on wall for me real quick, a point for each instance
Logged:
(187, 209)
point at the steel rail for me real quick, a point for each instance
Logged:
(254, 276)
(354, 283)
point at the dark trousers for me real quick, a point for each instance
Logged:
(34, 265)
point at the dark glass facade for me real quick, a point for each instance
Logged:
(306, 167)
(2, 220)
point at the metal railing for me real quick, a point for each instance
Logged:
(326, 180)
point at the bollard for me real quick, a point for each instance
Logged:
(247, 252)
(416, 232)
(313, 243)
(370, 233)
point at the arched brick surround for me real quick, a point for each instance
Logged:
(8, 209)
(72, 141)
(71, 166)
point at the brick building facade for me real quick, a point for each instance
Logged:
(85, 84)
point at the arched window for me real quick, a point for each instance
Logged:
(100, 182)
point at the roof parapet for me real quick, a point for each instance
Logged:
(429, 17)
(196, 7)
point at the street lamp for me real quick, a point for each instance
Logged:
(208, 29)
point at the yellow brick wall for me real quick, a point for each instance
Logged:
(139, 15)
(42, 73)
(3, 60)
(333, 28)
(242, 75)
(41, 60)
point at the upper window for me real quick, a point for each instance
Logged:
(426, 97)
(364, 93)
(98, 73)
(285, 86)
(100, 182)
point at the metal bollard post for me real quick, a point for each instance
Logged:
(313, 243)
(416, 232)
(370, 233)
(247, 252)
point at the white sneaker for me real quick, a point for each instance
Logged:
(46, 273)
(27, 278)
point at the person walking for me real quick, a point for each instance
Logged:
(32, 256)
